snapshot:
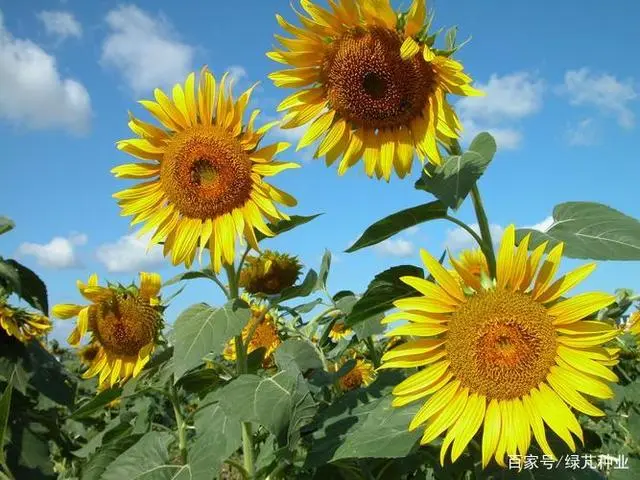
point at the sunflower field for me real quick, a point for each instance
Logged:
(478, 365)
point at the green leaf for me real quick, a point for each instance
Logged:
(343, 293)
(282, 403)
(99, 462)
(199, 381)
(307, 307)
(115, 430)
(148, 459)
(299, 351)
(205, 273)
(48, 375)
(383, 290)
(363, 424)
(306, 288)
(6, 224)
(324, 270)
(589, 231)
(630, 472)
(369, 327)
(31, 288)
(218, 436)
(282, 226)
(9, 277)
(396, 222)
(452, 182)
(202, 329)
(97, 403)
(5, 407)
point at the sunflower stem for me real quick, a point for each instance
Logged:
(325, 334)
(375, 359)
(181, 425)
(485, 231)
(483, 221)
(465, 227)
(241, 367)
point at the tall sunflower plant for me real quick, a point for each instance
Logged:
(477, 364)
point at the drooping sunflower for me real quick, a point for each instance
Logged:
(339, 331)
(22, 324)
(362, 374)
(203, 172)
(263, 324)
(512, 356)
(370, 83)
(269, 273)
(123, 324)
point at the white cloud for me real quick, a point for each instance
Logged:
(508, 99)
(145, 50)
(412, 230)
(543, 226)
(602, 91)
(129, 254)
(60, 24)
(236, 73)
(32, 92)
(585, 133)
(395, 247)
(506, 138)
(58, 254)
(459, 239)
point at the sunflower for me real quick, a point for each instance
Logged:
(123, 322)
(370, 84)
(263, 324)
(514, 355)
(633, 324)
(21, 324)
(203, 173)
(269, 273)
(339, 331)
(362, 374)
(474, 262)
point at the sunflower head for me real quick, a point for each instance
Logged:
(361, 375)
(22, 324)
(263, 328)
(269, 273)
(123, 323)
(339, 331)
(369, 84)
(513, 355)
(202, 172)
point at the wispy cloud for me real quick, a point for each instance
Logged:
(508, 99)
(145, 49)
(602, 91)
(459, 239)
(58, 254)
(60, 24)
(32, 91)
(129, 254)
(585, 133)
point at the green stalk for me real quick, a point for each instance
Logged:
(181, 425)
(483, 221)
(372, 351)
(241, 367)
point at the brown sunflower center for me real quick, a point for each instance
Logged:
(369, 84)
(206, 173)
(124, 324)
(352, 380)
(501, 344)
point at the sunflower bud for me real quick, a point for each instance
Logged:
(270, 273)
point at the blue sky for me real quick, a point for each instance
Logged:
(562, 102)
